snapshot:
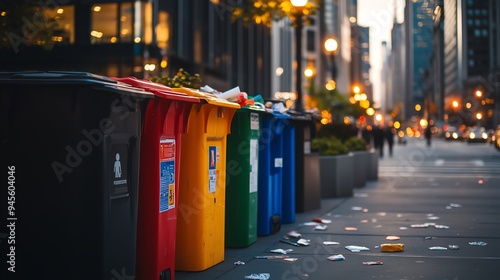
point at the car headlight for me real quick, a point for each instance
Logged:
(455, 135)
(484, 135)
(447, 135)
(472, 135)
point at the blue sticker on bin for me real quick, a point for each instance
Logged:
(167, 174)
(212, 172)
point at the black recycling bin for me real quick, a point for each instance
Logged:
(72, 139)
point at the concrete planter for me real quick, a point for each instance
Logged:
(372, 173)
(309, 197)
(336, 176)
(361, 166)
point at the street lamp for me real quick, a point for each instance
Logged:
(331, 46)
(299, 5)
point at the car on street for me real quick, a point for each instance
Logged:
(476, 135)
(452, 133)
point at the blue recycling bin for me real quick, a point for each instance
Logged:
(288, 197)
(271, 162)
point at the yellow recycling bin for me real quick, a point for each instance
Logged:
(202, 193)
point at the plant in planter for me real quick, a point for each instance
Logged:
(329, 146)
(356, 144)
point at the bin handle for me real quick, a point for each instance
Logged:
(260, 105)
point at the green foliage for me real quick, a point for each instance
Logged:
(265, 12)
(25, 23)
(356, 144)
(330, 146)
(336, 129)
(181, 79)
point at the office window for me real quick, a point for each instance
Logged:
(63, 18)
(104, 28)
(126, 19)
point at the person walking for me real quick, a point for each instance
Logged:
(378, 139)
(389, 136)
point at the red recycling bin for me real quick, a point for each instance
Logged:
(164, 121)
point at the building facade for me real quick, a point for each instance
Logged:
(141, 38)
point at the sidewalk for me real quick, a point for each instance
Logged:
(389, 206)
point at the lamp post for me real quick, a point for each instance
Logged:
(331, 46)
(299, 5)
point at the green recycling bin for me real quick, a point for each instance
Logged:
(242, 161)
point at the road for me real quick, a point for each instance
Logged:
(446, 194)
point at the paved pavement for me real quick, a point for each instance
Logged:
(451, 188)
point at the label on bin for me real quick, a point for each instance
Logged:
(254, 164)
(167, 174)
(278, 162)
(254, 121)
(118, 158)
(212, 172)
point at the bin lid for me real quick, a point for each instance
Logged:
(207, 97)
(70, 78)
(158, 90)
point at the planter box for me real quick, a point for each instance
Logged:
(336, 176)
(360, 171)
(372, 174)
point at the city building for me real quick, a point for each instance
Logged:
(142, 39)
(418, 42)
(471, 62)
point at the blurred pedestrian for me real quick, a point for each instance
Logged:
(428, 135)
(389, 136)
(378, 139)
(366, 134)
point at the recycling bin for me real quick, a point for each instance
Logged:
(307, 191)
(165, 120)
(289, 162)
(72, 140)
(242, 169)
(202, 188)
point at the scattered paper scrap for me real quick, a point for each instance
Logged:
(294, 233)
(281, 251)
(330, 243)
(453, 247)
(392, 247)
(355, 249)
(426, 225)
(393, 237)
(357, 208)
(351, 228)
(239, 263)
(258, 276)
(441, 227)
(321, 227)
(338, 257)
(321, 220)
(373, 263)
(478, 243)
(433, 218)
(304, 242)
(438, 248)
(290, 259)
(310, 224)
